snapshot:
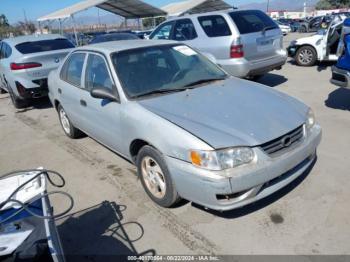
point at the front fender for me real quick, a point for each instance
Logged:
(168, 138)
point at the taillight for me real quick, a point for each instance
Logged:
(20, 66)
(237, 51)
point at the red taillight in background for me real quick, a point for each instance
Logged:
(237, 51)
(20, 66)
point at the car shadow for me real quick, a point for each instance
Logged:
(39, 103)
(321, 66)
(99, 233)
(262, 203)
(272, 80)
(339, 99)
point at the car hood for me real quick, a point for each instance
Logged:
(309, 40)
(232, 112)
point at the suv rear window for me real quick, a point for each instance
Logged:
(214, 25)
(251, 21)
(44, 45)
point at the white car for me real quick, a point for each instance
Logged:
(286, 29)
(321, 46)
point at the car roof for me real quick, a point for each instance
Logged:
(217, 12)
(31, 38)
(117, 46)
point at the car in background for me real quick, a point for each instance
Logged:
(25, 63)
(341, 71)
(113, 37)
(143, 34)
(192, 130)
(321, 46)
(245, 43)
(284, 28)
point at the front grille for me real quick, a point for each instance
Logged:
(279, 145)
(338, 77)
(41, 82)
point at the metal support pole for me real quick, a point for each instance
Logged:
(60, 26)
(40, 28)
(75, 30)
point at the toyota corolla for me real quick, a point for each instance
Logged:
(193, 131)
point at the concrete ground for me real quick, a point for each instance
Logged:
(112, 214)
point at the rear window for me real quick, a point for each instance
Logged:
(43, 46)
(252, 21)
(214, 25)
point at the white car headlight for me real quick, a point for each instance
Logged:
(310, 119)
(222, 159)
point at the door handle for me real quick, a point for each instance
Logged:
(59, 90)
(83, 102)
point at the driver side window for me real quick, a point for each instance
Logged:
(97, 74)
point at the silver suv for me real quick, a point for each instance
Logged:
(245, 43)
(25, 63)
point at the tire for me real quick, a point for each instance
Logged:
(306, 56)
(68, 128)
(160, 188)
(16, 101)
(302, 29)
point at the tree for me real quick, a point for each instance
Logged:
(3, 21)
(26, 27)
(332, 4)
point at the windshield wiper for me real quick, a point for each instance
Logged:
(202, 81)
(161, 91)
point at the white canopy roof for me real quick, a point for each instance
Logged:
(124, 8)
(195, 6)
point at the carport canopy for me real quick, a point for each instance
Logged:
(195, 6)
(129, 9)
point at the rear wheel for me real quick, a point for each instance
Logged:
(306, 56)
(66, 124)
(302, 29)
(155, 177)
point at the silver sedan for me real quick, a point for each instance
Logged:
(193, 131)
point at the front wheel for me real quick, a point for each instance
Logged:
(66, 124)
(155, 177)
(306, 56)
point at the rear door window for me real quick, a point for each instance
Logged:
(73, 68)
(214, 25)
(184, 30)
(44, 45)
(252, 21)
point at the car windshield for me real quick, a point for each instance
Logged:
(113, 37)
(44, 45)
(163, 69)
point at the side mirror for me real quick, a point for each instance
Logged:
(104, 93)
(347, 22)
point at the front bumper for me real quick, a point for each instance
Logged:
(292, 50)
(230, 189)
(340, 77)
(242, 67)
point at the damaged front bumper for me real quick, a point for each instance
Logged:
(233, 188)
(340, 77)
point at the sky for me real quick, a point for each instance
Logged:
(16, 9)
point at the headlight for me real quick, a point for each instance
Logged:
(222, 159)
(310, 119)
